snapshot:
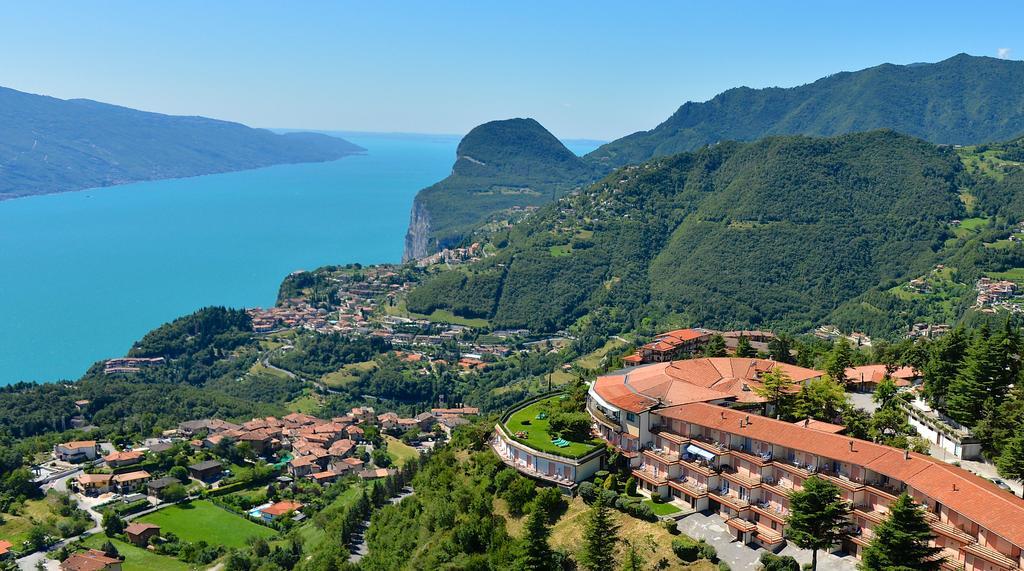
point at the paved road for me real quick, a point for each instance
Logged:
(361, 549)
(30, 562)
(745, 557)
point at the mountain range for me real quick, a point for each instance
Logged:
(963, 100)
(50, 145)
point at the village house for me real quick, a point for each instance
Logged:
(156, 487)
(91, 560)
(302, 466)
(669, 346)
(461, 411)
(77, 451)
(325, 477)
(93, 484)
(5, 549)
(208, 425)
(376, 474)
(279, 509)
(387, 421)
(130, 481)
(866, 378)
(118, 459)
(206, 471)
(140, 533)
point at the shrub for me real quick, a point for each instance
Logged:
(657, 498)
(571, 425)
(686, 549)
(723, 566)
(671, 526)
(631, 486)
(608, 497)
(611, 483)
(772, 562)
(588, 492)
(641, 511)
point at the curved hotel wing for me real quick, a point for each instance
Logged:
(683, 427)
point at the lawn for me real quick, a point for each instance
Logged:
(347, 374)
(201, 520)
(136, 558)
(560, 251)
(538, 438)
(399, 451)
(661, 509)
(15, 528)
(1013, 275)
(306, 404)
(567, 534)
(593, 360)
(438, 316)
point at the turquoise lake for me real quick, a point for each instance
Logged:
(84, 274)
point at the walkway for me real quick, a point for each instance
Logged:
(360, 548)
(744, 557)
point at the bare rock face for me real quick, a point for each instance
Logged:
(417, 237)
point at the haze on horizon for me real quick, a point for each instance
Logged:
(585, 70)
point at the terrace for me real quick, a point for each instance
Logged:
(529, 425)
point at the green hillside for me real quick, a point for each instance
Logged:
(962, 100)
(786, 232)
(499, 166)
(53, 145)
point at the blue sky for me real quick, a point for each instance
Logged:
(583, 69)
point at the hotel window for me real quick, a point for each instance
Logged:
(630, 417)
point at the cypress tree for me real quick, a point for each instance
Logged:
(599, 538)
(901, 541)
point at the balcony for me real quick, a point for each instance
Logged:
(768, 536)
(701, 468)
(776, 487)
(741, 524)
(841, 480)
(990, 555)
(602, 418)
(754, 459)
(710, 445)
(869, 513)
(734, 502)
(664, 432)
(689, 487)
(947, 529)
(885, 490)
(649, 476)
(794, 468)
(661, 455)
(737, 477)
(771, 511)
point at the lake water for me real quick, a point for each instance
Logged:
(84, 274)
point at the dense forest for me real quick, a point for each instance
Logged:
(963, 100)
(782, 233)
(499, 165)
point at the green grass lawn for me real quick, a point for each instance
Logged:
(438, 316)
(536, 429)
(306, 404)
(201, 520)
(347, 374)
(136, 558)
(15, 528)
(1013, 275)
(399, 451)
(560, 251)
(660, 509)
(593, 360)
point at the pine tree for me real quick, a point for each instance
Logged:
(978, 376)
(715, 347)
(775, 387)
(817, 517)
(743, 347)
(901, 541)
(838, 360)
(1011, 460)
(779, 349)
(822, 399)
(945, 358)
(535, 552)
(599, 538)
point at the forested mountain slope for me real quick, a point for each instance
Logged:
(962, 100)
(499, 165)
(775, 233)
(52, 145)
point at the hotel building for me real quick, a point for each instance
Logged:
(688, 438)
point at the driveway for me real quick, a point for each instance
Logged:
(712, 529)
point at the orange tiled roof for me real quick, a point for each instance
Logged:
(693, 380)
(123, 456)
(131, 476)
(281, 508)
(875, 373)
(820, 426)
(92, 560)
(5, 547)
(975, 498)
(79, 444)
